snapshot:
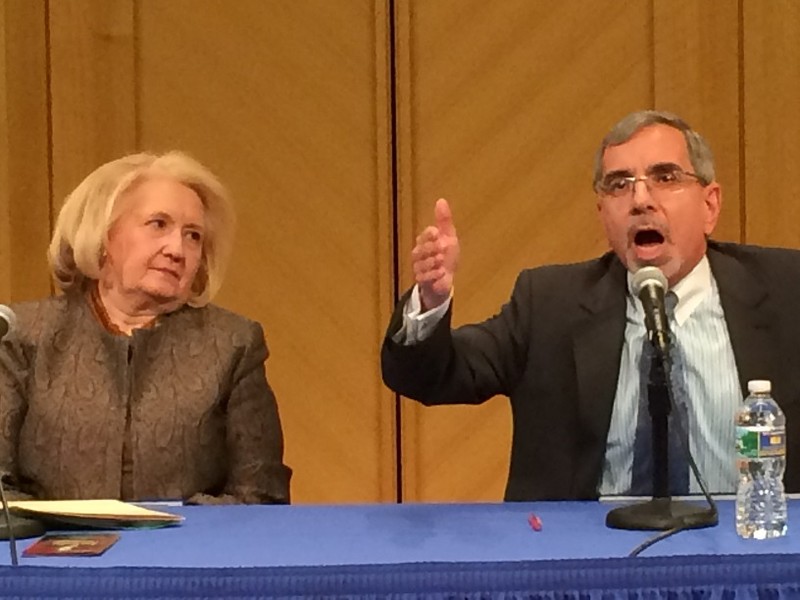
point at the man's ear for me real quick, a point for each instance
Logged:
(713, 204)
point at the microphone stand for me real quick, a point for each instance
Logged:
(14, 527)
(661, 512)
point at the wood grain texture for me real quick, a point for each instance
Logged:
(696, 75)
(5, 152)
(507, 103)
(92, 82)
(288, 103)
(499, 108)
(772, 123)
(24, 177)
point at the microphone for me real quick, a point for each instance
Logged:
(650, 285)
(8, 321)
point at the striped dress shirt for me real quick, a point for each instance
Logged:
(711, 385)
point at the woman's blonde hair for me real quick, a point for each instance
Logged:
(78, 245)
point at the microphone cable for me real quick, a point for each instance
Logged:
(713, 512)
(661, 535)
(684, 439)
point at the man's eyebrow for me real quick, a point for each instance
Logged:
(663, 166)
(618, 173)
(659, 166)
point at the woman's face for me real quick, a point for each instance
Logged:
(155, 245)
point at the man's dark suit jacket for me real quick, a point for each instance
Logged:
(554, 349)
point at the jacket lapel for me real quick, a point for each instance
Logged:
(597, 347)
(745, 303)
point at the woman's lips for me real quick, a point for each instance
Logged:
(168, 272)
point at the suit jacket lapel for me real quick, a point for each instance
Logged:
(745, 303)
(597, 347)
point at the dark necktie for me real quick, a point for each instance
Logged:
(642, 472)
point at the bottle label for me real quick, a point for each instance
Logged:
(760, 442)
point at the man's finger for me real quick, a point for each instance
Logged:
(444, 218)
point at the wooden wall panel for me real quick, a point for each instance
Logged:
(92, 83)
(772, 123)
(499, 108)
(288, 103)
(507, 103)
(696, 75)
(5, 153)
(24, 175)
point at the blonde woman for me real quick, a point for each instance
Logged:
(130, 384)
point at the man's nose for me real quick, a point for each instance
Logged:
(641, 196)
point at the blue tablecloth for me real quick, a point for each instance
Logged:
(419, 550)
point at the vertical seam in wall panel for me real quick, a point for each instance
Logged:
(653, 54)
(742, 149)
(395, 227)
(49, 123)
(137, 78)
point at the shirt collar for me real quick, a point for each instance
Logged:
(691, 291)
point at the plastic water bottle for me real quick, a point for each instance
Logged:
(761, 456)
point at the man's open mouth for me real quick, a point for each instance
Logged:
(648, 237)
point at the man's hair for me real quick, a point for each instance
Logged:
(78, 245)
(699, 152)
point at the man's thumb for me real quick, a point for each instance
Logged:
(444, 218)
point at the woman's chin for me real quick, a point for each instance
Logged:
(165, 295)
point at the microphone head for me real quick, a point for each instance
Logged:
(647, 276)
(8, 321)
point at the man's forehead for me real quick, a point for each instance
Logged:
(648, 146)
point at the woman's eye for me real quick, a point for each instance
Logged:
(157, 223)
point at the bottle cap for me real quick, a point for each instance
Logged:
(759, 386)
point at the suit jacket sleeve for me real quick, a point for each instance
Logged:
(256, 473)
(464, 366)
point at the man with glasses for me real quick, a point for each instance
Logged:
(567, 347)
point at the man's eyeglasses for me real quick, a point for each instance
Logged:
(658, 179)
